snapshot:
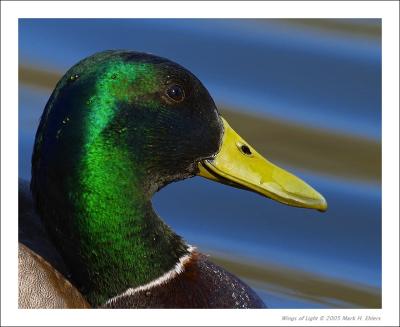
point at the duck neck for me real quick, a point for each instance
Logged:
(122, 241)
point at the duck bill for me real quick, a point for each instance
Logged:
(239, 165)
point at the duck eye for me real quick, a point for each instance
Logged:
(176, 93)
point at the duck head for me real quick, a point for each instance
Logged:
(119, 126)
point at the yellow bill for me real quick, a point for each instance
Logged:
(239, 165)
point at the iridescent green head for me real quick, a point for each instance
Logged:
(118, 126)
(152, 109)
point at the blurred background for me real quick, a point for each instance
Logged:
(306, 93)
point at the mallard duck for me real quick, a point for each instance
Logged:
(119, 126)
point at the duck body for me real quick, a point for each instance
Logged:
(42, 286)
(119, 126)
(200, 284)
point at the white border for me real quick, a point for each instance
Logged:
(11, 11)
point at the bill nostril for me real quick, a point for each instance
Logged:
(245, 149)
